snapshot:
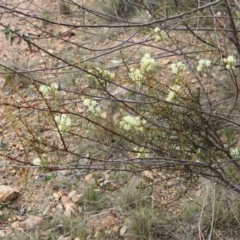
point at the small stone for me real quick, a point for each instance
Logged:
(46, 210)
(64, 238)
(59, 207)
(57, 195)
(21, 210)
(72, 193)
(123, 231)
(2, 234)
(8, 193)
(54, 210)
(51, 51)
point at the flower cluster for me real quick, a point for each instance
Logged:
(141, 152)
(37, 161)
(229, 61)
(203, 64)
(234, 152)
(178, 67)
(129, 122)
(147, 63)
(173, 90)
(64, 123)
(92, 105)
(48, 91)
(161, 35)
(105, 73)
(136, 75)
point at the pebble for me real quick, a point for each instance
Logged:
(2, 234)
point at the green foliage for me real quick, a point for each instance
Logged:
(134, 195)
(144, 224)
(5, 214)
(118, 8)
(64, 8)
(140, 223)
(74, 227)
(46, 17)
(213, 208)
(94, 199)
(10, 34)
(15, 75)
(13, 34)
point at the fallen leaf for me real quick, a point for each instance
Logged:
(166, 62)
(88, 177)
(69, 206)
(148, 175)
(17, 225)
